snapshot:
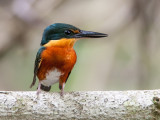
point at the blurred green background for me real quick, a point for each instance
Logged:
(127, 59)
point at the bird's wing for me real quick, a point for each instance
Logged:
(68, 76)
(37, 65)
(61, 83)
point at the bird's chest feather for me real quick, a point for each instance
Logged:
(56, 62)
(59, 57)
(52, 77)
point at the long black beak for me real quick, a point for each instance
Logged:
(90, 34)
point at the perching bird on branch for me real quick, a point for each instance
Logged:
(56, 56)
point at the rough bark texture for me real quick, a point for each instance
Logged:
(108, 105)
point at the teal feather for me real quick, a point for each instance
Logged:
(57, 31)
(36, 65)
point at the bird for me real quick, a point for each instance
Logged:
(56, 56)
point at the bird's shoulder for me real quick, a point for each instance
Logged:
(39, 57)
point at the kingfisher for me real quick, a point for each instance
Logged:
(56, 57)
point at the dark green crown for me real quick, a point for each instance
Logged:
(57, 31)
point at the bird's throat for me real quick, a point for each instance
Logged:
(64, 42)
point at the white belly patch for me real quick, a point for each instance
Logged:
(52, 77)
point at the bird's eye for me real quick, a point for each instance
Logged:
(67, 32)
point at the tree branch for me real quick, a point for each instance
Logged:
(109, 105)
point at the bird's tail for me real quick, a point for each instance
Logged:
(45, 88)
(33, 82)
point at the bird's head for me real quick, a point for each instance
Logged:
(61, 31)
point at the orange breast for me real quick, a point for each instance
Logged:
(62, 58)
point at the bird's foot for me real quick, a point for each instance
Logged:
(38, 92)
(61, 93)
(39, 89)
